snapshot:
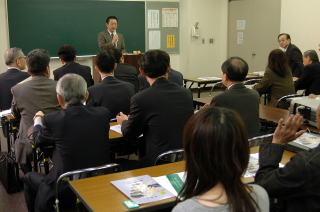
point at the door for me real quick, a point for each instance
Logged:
(253, 27)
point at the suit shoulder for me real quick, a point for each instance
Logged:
(83, 66)
(99, 111)
(24, 74)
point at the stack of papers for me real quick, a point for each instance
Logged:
(143, 189)
(209, 78)
(259, 73)
(253, 165)
(306, 141)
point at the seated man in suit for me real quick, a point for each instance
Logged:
(30, 96)
(67, 56)
(111, 93)
(15, 61)
(237, 97)
(159, 112)
(310, 78)
(296, 186)
(79, 135)
(124, 71)
(173, 76)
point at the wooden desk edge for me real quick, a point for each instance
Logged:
(138, 172)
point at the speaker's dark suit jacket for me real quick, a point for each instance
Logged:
(243, 100)
(310, 79)
(127, 73)
(80, 137)
(9, 79)
(295, 60)
(113, 94)
(105, 41)
(74, 68)
(159, 113)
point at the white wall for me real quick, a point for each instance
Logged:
(301, 20)
(195, 58)
(4, 41)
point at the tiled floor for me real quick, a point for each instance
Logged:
(11, 202)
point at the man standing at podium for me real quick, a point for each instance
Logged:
(110, 37)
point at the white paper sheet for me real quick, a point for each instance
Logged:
(116, 128)
(170, 17)
(253, 165)
(5, 112)
(259, 73)
(241, 24)
(154, 39)
(153, 19)
(240, 38)
(209, 78)
(307, 140)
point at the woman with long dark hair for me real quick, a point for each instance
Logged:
(277, 80)
(217, 154)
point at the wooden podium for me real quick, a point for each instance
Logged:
(132, 59)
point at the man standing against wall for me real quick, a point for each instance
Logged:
(110, 37)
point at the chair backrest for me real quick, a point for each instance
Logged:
(83, 173)
(215, 86)
(251, 81)
(170, 157)
(258, 140)
(284, 102)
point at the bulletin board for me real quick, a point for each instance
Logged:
(162, 26)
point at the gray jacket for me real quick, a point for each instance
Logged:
(104, 41)
(29, 97)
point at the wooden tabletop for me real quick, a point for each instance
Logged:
(197, 80)
(272, 113)
(98, 194)
(253, 76)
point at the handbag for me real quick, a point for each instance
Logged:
(9, 172)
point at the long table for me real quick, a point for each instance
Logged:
(266, 112)
(98, 194)
(203, 81)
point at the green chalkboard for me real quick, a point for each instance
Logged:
(48, 24)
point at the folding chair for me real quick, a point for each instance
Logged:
(258, 140)
(82, 173)
(170, 156)
(284, 102)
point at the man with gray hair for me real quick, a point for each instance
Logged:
(38, 93)
(310, 78)
(79, 135)
(16, 62)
